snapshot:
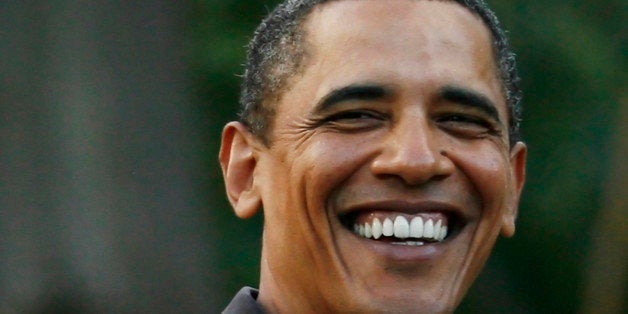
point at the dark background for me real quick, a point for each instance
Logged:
(111, 198)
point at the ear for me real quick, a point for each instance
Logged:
(518, 175)
(238, 161)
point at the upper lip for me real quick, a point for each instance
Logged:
(405, 206)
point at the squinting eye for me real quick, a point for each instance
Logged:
(465, 119)
(466, 125)
(351, 115)
(354, 120)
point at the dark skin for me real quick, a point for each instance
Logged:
(482, 111)
(398, 113)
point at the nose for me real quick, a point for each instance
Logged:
(413, 152)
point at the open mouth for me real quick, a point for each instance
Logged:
(401, 228)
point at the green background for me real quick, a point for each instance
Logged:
(111, 197)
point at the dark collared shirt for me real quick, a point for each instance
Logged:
(244, 302)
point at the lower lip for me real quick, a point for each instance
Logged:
(428, 252)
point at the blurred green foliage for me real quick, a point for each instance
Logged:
(572, 57)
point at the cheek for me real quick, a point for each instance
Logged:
(301, 179)
(334, 158)
(487, 168)
(299, 229)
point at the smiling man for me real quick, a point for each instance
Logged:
(380, 139)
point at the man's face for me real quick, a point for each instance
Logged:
(397, 125)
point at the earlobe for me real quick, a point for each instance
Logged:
(517, 177)
(237, 160)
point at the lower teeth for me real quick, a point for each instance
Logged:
(411, 243)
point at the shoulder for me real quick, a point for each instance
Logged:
(245, 301)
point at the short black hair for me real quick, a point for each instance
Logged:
(278, 50)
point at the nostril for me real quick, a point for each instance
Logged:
(414, 169)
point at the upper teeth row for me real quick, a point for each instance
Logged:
(401, 229)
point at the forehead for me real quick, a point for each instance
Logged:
(418, 18)
(354, 39)
(413, 47)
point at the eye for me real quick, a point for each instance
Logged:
(464, 119)
(354, 120)
(467, 125)
(352, 115)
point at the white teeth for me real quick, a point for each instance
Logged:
(377, 228)
(409, 243)
(443, 233)
(428, 229)
(402, 228)
(437, 227)
(387, 227)
(416, 227)
(367, 230)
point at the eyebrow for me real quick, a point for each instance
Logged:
(470, 98)
(350, 93)
(457, 94)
